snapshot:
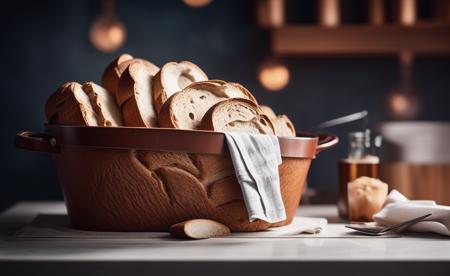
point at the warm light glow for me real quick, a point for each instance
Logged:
(197, 3)
(407, 12)
(329, 15)
(107, 34)
(274, 76)
(404, 106)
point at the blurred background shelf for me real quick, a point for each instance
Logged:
(301, 40)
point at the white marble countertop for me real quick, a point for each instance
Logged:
(418, 248)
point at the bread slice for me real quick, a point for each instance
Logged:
(104, 104)
(76, 108)
(134, 96)
(268, 111)
(54, 102)
(237, 115)
(173, 77)
(199, 229)
(185, 109)
(112, 73)
(283, 126)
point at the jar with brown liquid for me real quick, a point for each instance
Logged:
(360, 161)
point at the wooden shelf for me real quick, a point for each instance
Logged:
(311, 40)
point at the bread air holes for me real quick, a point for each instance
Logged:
(191, 115)
(202, 97)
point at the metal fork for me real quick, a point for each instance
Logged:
(380, 230)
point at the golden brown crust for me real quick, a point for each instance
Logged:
(285, 119)
(54, 102)
(268, 111)
(73, 112)
(111, 75)
(158, 95)
(165, 118)
(245, 91)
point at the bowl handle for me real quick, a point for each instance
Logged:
(326, 141)
(36, 142)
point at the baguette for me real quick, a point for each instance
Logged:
(237, 115)
(134, 96)
(185, 109)
(104, 104)
(173, 77)
(199, 229)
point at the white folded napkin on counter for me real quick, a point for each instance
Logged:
(255, 159)
(398, 208)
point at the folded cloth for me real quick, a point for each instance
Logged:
(398, 209)
(255, 159)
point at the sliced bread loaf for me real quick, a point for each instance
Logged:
(199, 229)
(173, 77)
(104, 104)
(185, 109)
(134, 96)
(237, 115)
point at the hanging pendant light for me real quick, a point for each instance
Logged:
(404, 103)
(274, 75)
(107, 32)
(197, 3)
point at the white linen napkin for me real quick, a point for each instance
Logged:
(398, 208)
(255, 159)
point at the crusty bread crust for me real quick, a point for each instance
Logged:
(112, 73)
(268, 111)
(104, 104)
(54, 102)
(77, 109)
(218, 117)
(162, 90)
(283, 126)
(134, 96)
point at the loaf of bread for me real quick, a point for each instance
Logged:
(174, 77)
(185, 109)
(199, 229)
(237, 115)
(366, 197)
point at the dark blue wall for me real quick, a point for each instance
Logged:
(45, 43)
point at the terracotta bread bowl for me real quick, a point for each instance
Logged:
(147, 179)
